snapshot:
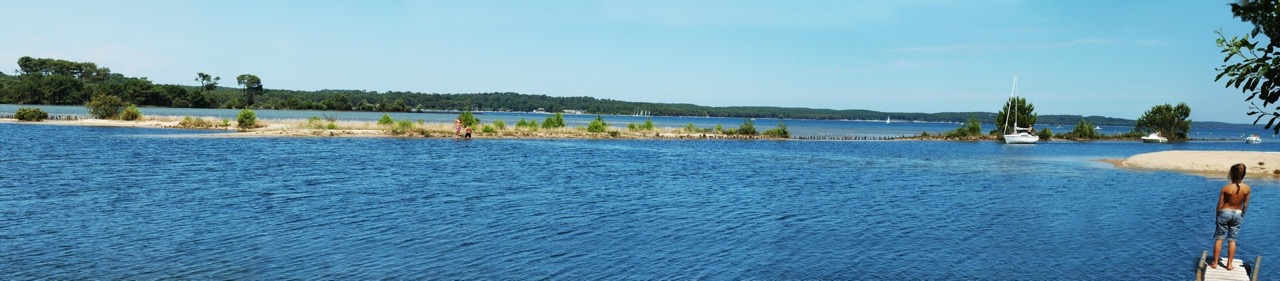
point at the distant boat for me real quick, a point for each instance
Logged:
(1019, 135)
(886, 119)
(1254, 139)
(1154, 138)
(1097, 128)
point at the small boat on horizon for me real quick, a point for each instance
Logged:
(1254, 139)
(1154, 138)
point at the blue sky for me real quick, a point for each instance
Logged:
(1110, 58)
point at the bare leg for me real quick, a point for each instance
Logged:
(1231, 254)
(1217, 249)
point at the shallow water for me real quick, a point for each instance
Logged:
(126, 203)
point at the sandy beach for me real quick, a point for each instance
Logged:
(342, 128)
(1208, 163)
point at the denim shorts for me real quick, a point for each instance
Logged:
(1228, 224)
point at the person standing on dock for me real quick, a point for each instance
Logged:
(1233, 201)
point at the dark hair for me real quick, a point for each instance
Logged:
(1237, 173)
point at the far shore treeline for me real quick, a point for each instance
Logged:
(61, 82)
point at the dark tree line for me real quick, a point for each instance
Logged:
(60, 82)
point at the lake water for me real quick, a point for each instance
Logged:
(131, 203)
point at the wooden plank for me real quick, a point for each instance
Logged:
(1238, 273)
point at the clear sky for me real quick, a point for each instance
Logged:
(1086, 57)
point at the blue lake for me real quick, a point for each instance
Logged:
(128, 203)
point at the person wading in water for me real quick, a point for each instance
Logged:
(1233, 201)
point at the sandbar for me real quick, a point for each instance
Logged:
(347, 128)
(1207, 163)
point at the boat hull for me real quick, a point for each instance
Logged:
(1022, 138)
(1253, 140)
(1154, 140)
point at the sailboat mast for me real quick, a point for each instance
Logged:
(1013, 108)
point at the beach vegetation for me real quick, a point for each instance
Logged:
(188, 122)
(748, 128)
(719, 129)
(469, 120)
(246, 119)
(131, 113)
(105, 106)
(554, 121)
(1171, 121)
(489, 129)
(646, 126)
(779, 131)
(402, 126)
(969, 129)
(1023, 115)
(385, 120)
(31, 114)
(690, 128)
(331, 126)
(614, 133)
(1083, 131)
(499, 124)
(522, 123)
(598, 125)
(1045, 134)
(252, 87)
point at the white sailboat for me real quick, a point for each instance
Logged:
(1019, 135)
(886, 119)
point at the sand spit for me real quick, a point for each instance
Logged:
(341, 128)
(1208, 163)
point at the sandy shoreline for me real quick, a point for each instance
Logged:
(310, 128)
(1207, 163)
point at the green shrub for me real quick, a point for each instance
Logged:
(614, 134)
(970, 128)
(598, 125)
(532, 125)
(1046, 134)
(105, 106)
(521, 123)
(555, 121)
(246, 119)
(648, 124)
(331, 126)
(501, 125)
(468, 120)
(1083, 131)
(719, 129)
(779, 131)
(489, 129)
(226, 123)
(188, 122)
(31, 114)
(131, 113)
(401, 127)
(748, 128)
(386, 120)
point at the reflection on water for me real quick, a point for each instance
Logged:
(85, 202)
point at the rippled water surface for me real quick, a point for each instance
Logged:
(108, 203)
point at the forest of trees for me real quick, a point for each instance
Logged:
(61, 82)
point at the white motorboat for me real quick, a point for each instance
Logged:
(1254, 139)
(1154, 138)
(1019, 135)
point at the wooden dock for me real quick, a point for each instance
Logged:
(1239, 271)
